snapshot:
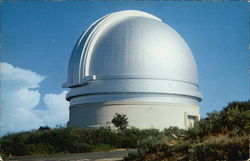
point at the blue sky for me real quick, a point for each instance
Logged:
(39, 37)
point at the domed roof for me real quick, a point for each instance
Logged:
(131, 45)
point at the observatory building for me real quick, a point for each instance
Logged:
(132, 63)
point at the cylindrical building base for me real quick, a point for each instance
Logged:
(140, 114)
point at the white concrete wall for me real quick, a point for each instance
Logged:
(140, 115)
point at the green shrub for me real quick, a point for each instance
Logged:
(145, 145)
(224, 149)
(236, 117)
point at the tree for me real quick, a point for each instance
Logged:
(120, 121)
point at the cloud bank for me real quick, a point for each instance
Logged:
(19, 97)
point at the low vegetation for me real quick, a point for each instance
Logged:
(72, 140)
(222, 135)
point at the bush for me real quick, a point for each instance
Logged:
(236, 116)
(145, 145)
(224, 149)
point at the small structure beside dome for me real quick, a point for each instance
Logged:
(132, 63)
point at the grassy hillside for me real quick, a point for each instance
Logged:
(221, 136)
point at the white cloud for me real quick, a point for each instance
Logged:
(19, 96)
(20, 77)
(58, 109)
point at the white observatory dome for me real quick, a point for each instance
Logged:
(132, 63)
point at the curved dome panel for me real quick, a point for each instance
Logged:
(142, 47)
(77, 53)
(79, 59)
(131, 52)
